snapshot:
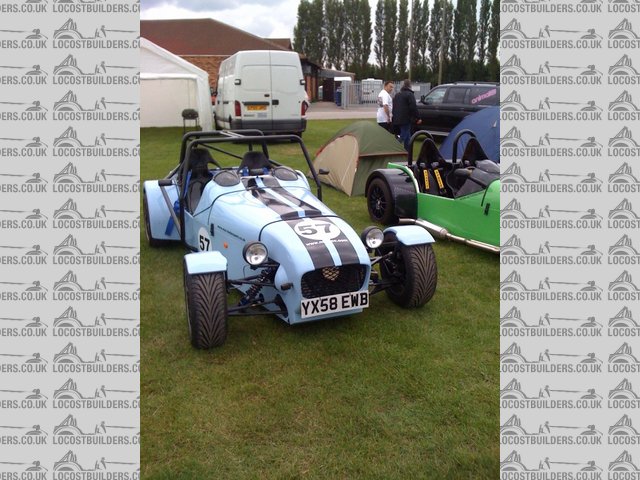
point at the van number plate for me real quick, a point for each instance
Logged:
(314, 307)
(254, 108)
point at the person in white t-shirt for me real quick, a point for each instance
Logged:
(383, 116)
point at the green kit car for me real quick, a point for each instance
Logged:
(458, 200)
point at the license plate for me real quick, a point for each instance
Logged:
(255, 108)
(314, 307)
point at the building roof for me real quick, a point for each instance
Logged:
(283, 42)
(329, 73)
(203, 36)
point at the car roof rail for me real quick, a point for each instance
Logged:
(469, 82)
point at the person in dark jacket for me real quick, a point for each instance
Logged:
(405, 112)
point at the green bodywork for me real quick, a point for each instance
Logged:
(475, 216)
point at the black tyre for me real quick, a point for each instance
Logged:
(380, 202)
(414, 272)
(147, 225)
(206, 303)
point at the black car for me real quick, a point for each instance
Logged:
(447, 104)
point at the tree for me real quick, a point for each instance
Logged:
(483, 29)
(308, 33)
(447, 33)
(316, 40)
(301, 29)
(334, 33)
(389, 37)
(414, 38)
(438, 40)
(379, 31)
(463, 42)
(364, 39)
(457, 47)
(349, 12)
(418, 33)
(402, 37)
(357, 35)
(470, 37)
(494, 40)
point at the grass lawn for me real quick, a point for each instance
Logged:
(388, 394)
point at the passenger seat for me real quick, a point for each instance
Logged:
(199, 176)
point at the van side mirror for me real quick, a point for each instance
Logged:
(303, 82)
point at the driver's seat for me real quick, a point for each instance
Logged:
(430, 169)
(473, 153)
(198, 176)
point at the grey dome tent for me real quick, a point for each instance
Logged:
(354, 152)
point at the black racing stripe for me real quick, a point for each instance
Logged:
(285, 211)
(249, 182)
(309, 210)
(270, 181)
(347, 252)
(279, 206)
(272, 202)
(318, 251)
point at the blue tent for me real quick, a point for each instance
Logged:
(486, 125)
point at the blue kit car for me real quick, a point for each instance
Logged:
(255, 226)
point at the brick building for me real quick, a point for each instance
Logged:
(205, 43)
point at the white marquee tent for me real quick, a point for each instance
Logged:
(168, 85)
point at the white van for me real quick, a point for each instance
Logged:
(262, 89)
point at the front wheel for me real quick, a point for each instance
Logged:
(206, 303)
(380, 202)
(414, 273)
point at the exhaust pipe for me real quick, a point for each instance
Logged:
(443, 234)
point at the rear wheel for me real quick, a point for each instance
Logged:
(413, 271)
(153, 242)
(380, 202)
(206, 303)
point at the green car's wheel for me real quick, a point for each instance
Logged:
(206, 303)
(380, 202)
(414, 273)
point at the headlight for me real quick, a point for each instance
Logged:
(255, 253)
(372, 237)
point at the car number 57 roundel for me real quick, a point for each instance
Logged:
(315, 229)
(333, 303)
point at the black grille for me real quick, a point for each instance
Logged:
(333, 280)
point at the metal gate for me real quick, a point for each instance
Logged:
(365, 92)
